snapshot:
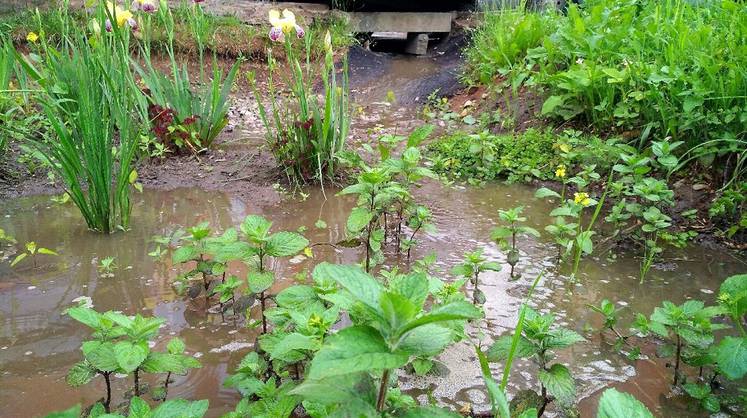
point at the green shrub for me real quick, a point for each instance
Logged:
(649, 67)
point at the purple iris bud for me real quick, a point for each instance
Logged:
(276, 34)
(198, 1)
(108, 25)
(148, 7)
(132, 23)
(300, 32)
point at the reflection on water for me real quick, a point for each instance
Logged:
(38, 344)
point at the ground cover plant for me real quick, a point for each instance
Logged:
(656, 69)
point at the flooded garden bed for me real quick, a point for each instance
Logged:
(321, 229)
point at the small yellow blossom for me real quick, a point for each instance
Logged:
(560, 171)
(32, 37)
(582, 198)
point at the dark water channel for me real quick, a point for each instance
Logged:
(38, 344)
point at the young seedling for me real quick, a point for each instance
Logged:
(33, 251)
(538, 340)
(120, 345)
(475, 263)
(506, 235)
(106, 267)
(610, 313)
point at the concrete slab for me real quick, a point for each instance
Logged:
(401, 22)
(417, 44)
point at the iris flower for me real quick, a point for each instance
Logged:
(147, 6)
(282, 25)
(121, 15)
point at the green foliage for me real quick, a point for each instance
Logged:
(91, 99)
(30, 250)
(475, 263)
(729, 209)
(184, 116)
(390, 326)
(385, 204)
(210, 256)
(506, 235)
(484, 156)
(537, 339)
(121, 345)
(642, 66)
(140, 409)
(614, 404)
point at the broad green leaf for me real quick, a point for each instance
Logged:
(129, 356)
(18, 259)
(139, 408)
(256, 228)
(176, 346)
(559, 383)
(86, 316)
(80, 374)
(413, 286)
(731, 356)
(551, 104)
(396, 310)
(614, 404)
(427, 340)
(101, 355)
(545, 192)
(285, 244)
(561, 338)
(360, 284)
(296, 297)
(584, 241)
(449, 312)
(338, 389)
(47, 251)
(259, 282)
(163, 363)
(292, 342)
(733, 293)
(502, 346)
(73, 412)
(354, 349)
(180, 408)
(184, 254)
(358, 219)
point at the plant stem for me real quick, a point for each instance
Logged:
(137, 382)
(381, 400)
(677, 360)
(166, 387)
(264, 320)
(108, 392)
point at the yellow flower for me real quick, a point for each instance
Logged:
(582, 198)
(560, 171)
(32, 37)
(565, 147)
(286, 23)
(122, 15)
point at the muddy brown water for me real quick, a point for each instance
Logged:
(38, 343)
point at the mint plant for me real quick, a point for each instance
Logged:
(120, 345)
(475, 263)
(506, 235)
(390, 326)
(539, 338)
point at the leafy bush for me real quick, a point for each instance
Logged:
(674, 68)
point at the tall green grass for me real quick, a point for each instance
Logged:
(651, 68)
(95, 109)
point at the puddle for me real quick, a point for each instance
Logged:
(38, 344)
